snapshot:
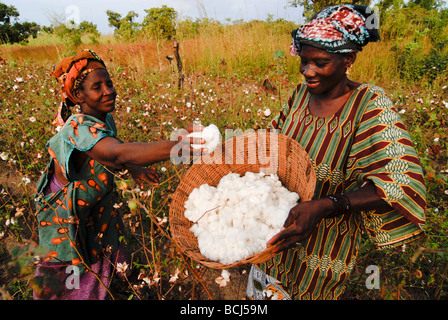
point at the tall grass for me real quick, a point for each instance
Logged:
(213, 47)
(245, 49)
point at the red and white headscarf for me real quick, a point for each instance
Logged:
(338, 29)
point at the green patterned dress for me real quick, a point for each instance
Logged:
(365, 140)
(78, 223)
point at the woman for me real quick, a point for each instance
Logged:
(77, 221)
(368, 173)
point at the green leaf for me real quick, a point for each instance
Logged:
(433, 116)
(279, 54)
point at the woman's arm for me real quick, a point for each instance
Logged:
(116, 154)
(304, 217)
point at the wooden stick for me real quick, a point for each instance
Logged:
(179, 64)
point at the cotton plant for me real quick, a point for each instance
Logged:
(236, 218)
(223, 279)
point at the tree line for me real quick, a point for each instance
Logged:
(11, 30)
(160, 23)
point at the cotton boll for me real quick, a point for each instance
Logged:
(200, 201)
(210, 134)
(272, 216)
(228, 179)
(279, 221)
(265, 194)
(254, 199)
(264, 229)
(269, 235)
(189, 214)
(193, 228)
(206, 191)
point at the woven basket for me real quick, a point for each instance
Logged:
(256, 151)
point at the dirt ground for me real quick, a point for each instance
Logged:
(235, 289)
(189, 287)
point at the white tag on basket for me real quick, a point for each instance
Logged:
(261, 286)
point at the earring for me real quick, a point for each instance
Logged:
(63, 114)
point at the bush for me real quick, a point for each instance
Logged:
(419, 44)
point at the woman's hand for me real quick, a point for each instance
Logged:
(186, 142)
(304, 217)
(300, 223)
(141, 175)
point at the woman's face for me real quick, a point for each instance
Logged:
(323, 71)
(97, 94)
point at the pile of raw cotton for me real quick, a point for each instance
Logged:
(236, 218)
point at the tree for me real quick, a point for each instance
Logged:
(161, 22)
(125, 27)
(114, 19)
(72, 36)
(12, 31)
(90, 28)
(8, 12)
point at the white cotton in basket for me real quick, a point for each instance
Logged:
(210, 134)
(236, 218)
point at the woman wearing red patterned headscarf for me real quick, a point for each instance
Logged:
(369, 176)
(77, 221)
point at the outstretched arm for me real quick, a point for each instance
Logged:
(116, 154)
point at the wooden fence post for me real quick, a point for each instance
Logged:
(179, 64)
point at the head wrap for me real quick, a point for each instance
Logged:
(338, 29)
(70, 73)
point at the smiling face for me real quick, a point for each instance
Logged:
(324, 71)
(97, 94)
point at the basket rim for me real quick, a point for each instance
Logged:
(174, 217)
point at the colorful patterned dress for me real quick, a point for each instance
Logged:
(365, 140)
(78, 223)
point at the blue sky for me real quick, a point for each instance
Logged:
(39, 11)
